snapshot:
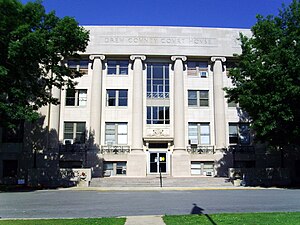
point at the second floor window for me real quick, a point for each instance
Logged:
(116, 97)
(157, 80)
(74, 132)
(76, 97)
(198, 98)
(117, 67)
(158, 115)
(199, 133)
(239, 133)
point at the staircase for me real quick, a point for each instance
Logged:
(155, 182)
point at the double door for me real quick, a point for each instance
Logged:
(158, 162)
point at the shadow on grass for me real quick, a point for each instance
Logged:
(196, 210)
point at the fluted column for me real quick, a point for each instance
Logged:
(179, 115)
(219, 106)
(137, 103)
(96, 98)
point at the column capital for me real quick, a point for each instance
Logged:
(133, 57)
(181, 57)
(101, 57)
(215, 58)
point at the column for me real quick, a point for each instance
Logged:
(96, 98)
(219, 99)
(180, 158)
(137, 102)
(179, 116)
(137, 160)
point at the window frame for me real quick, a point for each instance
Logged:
(117, 97)
(74, 133)
(200, 134)
(118, 67)
(197, 69)
(198, 98)
(154, 115)
(78, 65)
(76, 98)
(117, 134)
(161, 90)
(238, 134)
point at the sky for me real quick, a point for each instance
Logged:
(196, 13)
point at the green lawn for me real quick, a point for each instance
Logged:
(89, 221)
(289, 218)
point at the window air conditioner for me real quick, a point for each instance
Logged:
(209, 173)
(203, 73)
(68, 141)
(193, 142)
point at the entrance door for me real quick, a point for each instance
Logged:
(158, 162)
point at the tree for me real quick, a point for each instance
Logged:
(32, 45)
(267, 77)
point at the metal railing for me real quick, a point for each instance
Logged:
(158, 95)
(115, 149)
(241, 148)
(72, 148)
(201, 149)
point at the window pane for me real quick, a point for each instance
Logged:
(203, 102)
(70, 97)
(111, 71)
(205, 140)
(84, 64)
(122, 128)
(204, 94)
(122, 97)
(72, 64)
(192, 98)
(122, 139)
(82, 97)
(204, 129)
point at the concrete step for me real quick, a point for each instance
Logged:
(155, 182)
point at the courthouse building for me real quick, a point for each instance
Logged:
(150, 100)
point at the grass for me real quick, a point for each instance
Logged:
(280, 218)
(88, 221)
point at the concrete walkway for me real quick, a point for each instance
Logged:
(144, 220)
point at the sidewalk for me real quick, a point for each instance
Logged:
(144, 220)
(160, 188)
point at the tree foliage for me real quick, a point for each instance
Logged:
(267, 77)
(32, 45)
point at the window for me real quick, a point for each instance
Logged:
(116, 97)
(114, 168)
(79, 65)
(74, 132)
(198, 98)
(202, 168)
(158, 115)
(199, 133)
(158, 80)
(76, 97)
(117, 67)
(239, 133)
(116, 133)
(13, 134)
(199, 69)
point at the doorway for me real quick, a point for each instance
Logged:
(158, 162)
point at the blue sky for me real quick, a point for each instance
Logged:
(200, 13)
